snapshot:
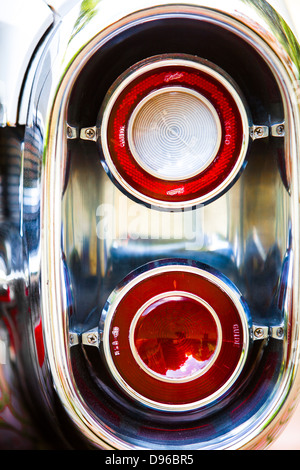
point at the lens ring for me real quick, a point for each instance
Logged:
(167, 296)
(156, 280)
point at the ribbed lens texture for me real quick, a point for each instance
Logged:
(176, 337)
(174, 134)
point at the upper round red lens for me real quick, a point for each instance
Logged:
(176, 337)
(229, 134)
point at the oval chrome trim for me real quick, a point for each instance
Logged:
(265, 33)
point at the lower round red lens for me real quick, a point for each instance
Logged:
(176, 337)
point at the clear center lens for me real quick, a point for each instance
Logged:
(174, 133)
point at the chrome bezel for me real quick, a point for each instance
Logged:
(144, 273)
(140, 69)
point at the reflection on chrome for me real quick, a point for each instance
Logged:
(253, 205)
(75, 237)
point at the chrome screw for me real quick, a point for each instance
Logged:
(73, 339)
(280, 129)
(279, 332)
(90, 133)
(259, 132)
(92, 338)
(69, 132)
(258, 332)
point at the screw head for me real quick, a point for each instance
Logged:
(92, 338)
(258, 332)
(279, 332)
(90, 133)
(259, 131)
(280, 129)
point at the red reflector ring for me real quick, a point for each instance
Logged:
(175, 336)
(173, 131)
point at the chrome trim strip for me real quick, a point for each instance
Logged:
(23, 26)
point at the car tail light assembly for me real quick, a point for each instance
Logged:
(160, 226)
